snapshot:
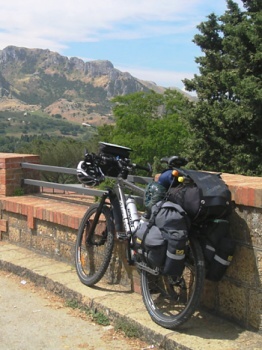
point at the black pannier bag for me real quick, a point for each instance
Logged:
(206, 197)
(163, 240)
(110, 150)
(188, 197)
(207, 201)
(150, 244)
(218, 248)
(222, 259)
(211, 234)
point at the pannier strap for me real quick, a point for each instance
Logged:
(175, 256)
(222, 261)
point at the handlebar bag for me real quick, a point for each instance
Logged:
(112, 150)
(111, 167)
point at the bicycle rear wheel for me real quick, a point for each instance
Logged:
(93, 252)
(171, 303)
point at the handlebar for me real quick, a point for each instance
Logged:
(97, 159)
(126, 165)
(123, 163)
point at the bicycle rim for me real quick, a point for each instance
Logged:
(93, 253)
(171, 303)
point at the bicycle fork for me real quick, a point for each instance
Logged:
(96, 218)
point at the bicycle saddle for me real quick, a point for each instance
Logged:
(174, 161)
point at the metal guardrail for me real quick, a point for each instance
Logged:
(78, 188)
(54, 169)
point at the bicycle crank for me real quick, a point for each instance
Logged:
(143, 266)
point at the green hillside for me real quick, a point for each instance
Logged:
(19, 123)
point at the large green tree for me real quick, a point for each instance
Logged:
(152, 124)
(226, 122)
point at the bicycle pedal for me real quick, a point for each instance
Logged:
(122, 236)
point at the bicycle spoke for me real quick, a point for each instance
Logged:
(171, 302)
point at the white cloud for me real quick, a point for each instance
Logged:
(53, 24)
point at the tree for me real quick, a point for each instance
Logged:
(151, 124)
(226, 121)
(56, 151)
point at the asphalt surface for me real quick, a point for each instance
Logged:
(203, 331)
(35, 319)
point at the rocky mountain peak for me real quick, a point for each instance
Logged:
(60, 84)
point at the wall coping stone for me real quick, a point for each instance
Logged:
(245, 190)
(52, 210)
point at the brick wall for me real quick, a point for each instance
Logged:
(49, 225)
(11, 173)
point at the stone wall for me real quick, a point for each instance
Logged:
(49, 225)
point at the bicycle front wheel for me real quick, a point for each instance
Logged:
(93, 251)
(169, 302)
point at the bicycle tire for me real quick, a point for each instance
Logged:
(93, 257)
(171, 303)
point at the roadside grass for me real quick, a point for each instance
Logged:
(99, 317)
(96, 316)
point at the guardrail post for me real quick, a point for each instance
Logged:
(11, 173)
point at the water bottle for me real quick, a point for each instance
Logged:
(132, 214)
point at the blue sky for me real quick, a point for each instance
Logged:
(150, 39)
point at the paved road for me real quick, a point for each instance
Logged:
(33, 319)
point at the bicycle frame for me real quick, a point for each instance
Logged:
(117, 200)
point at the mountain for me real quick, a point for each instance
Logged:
(33, 79)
